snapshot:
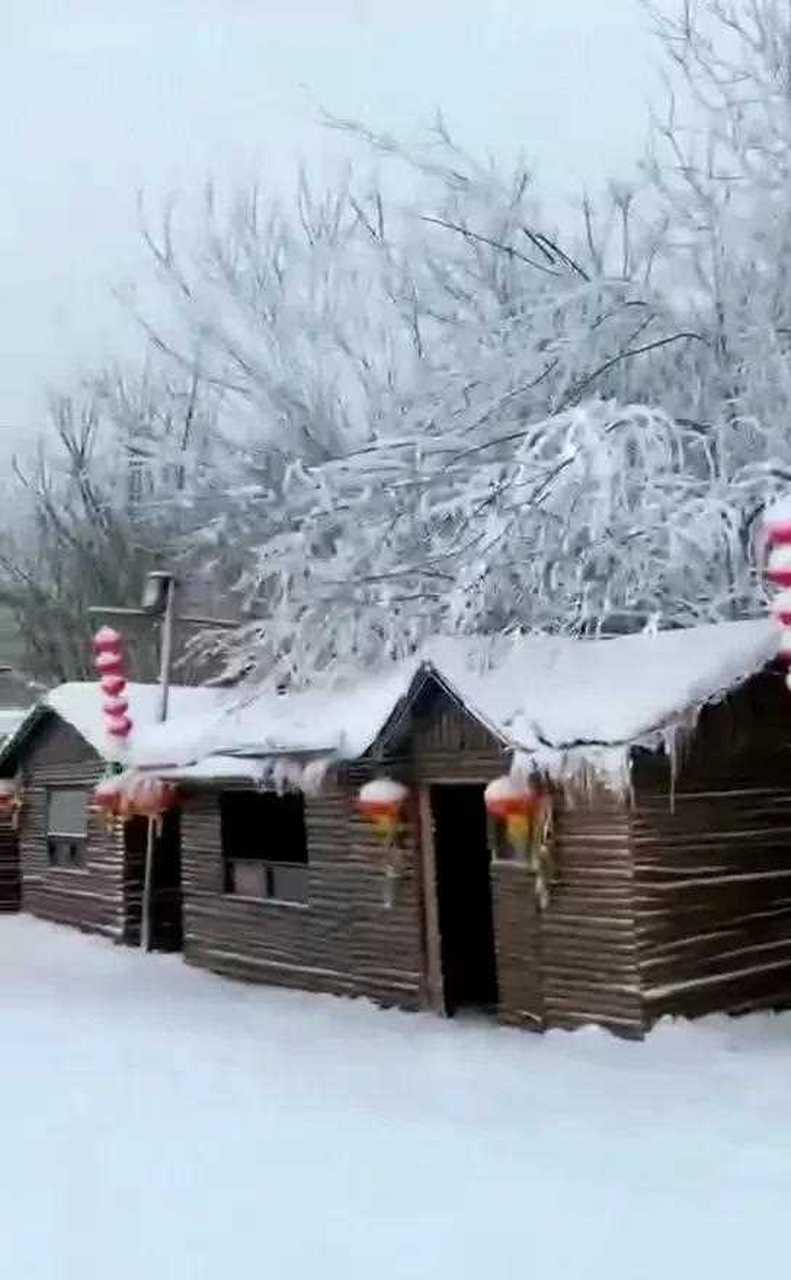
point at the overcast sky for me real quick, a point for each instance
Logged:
(102, 99)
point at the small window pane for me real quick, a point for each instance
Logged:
(68, 813)
(248, 879)
(289, 884)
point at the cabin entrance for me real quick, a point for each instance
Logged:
(464, 898)
(166, 924)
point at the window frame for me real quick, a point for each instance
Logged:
(267, 870)
(76, 842)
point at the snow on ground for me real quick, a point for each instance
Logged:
(160, 1121)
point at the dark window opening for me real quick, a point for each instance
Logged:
(264, 845)
(67, 827)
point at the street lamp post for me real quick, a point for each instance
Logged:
(159, 601)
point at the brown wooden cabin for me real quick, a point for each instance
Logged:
(670, 898)
(674, 899)
(71, 868)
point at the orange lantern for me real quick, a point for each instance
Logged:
(382, 802)
(515, 804)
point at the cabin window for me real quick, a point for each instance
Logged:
(264, 845)
(67, 827)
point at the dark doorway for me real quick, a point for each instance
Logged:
(166, 925)
(464, 892)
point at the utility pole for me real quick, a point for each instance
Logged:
(159, 601)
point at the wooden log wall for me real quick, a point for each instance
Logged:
(713, 872)
(341, 940)
(588, 945)
(90, 897)
(10, 884)
(576, 962)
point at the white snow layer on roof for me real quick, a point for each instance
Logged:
(79, 703)
(536, 693)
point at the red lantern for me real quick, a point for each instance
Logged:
(107, 640)
(119, 727)
(776, 526)
(780, 608)
(147, 797)
(778, 565)
(10, 800)
(113, 686)
(115, 706)
(109, 659)
(382, 803)
(515, 804)
(110, 664)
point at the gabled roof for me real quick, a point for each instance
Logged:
(540, 695)
(79, 704)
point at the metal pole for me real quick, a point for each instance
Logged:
(166, 649)
(165, 663)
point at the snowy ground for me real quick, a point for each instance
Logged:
(157, 1121)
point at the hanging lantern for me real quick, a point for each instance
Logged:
(526, 813)
(108, 799)
(110, 664)
(780, 608)
(514, 804)
(118, 727)
(774, 547)
(115, 707)
(112, 686)
(108, 648)
(382, 802)
(776, 527)
(107, 640)
(152, 798)
(10, 800)
(134, 795)
(778, 565)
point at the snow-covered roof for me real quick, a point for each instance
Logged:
(79, 704)
(10, 720)
(540, 695)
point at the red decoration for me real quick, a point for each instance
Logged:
(10, 800)
(382, 803)
(108, 651)
(107, 640)
(134, 795)
(152, 797)
(115, 706)
(515, 804)
(776, 528)
(780, 608)
(118, 726)
(110, 664)
(113, 686)
(778, 565)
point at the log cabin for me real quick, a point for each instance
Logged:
(667, 885)
(66, 863)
